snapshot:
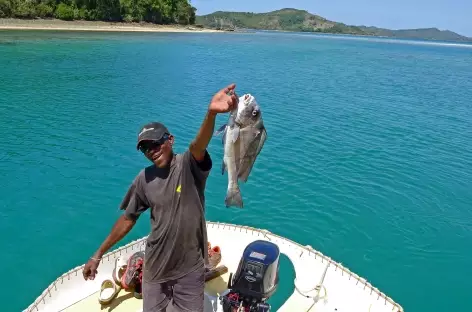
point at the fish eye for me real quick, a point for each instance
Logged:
(255, 112)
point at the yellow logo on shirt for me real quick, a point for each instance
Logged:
(179, 188)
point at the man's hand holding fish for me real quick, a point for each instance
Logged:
(224, 100)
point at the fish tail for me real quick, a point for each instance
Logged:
(233, 197)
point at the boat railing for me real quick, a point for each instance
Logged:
(302, 250)
(316, 254)
(75, 271)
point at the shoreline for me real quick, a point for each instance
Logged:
(81, 25)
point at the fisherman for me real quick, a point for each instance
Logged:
(173, 188)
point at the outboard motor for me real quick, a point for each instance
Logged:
(255, 280)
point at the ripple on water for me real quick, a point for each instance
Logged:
(367, 159)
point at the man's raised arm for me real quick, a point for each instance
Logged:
(223, 101)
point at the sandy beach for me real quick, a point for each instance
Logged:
(54, 24)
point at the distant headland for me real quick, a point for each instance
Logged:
(302, 21)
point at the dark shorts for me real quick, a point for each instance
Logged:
(183, 294)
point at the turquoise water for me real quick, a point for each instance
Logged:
(369, 155)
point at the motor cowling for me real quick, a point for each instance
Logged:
(256, 278)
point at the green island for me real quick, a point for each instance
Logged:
(130, 11)
(302, 21)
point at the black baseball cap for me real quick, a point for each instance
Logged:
(152, 131)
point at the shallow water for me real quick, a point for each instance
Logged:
(368, 157)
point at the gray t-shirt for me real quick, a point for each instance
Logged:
(177, 243)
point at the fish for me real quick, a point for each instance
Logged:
(243, 137)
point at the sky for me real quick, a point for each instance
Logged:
(454, 15)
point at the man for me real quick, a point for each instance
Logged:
(173, 188)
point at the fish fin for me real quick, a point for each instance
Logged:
(235, 134)
(223, 137)
(223, 167)
(253, 150)
(263, 138)
(233, 197)
(222, 129)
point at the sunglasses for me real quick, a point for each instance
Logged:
(150, 145)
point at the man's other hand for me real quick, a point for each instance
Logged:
(90, 269)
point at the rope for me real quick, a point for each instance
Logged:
(317, 287)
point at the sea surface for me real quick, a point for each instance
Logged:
(368, 158)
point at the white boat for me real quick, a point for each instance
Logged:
(321, 284)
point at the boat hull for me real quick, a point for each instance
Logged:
(321, 284)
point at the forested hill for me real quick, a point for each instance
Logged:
(300, 20)
(285, 19)
(153, 11)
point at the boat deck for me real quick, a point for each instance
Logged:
(321, 284)
(126, 302)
